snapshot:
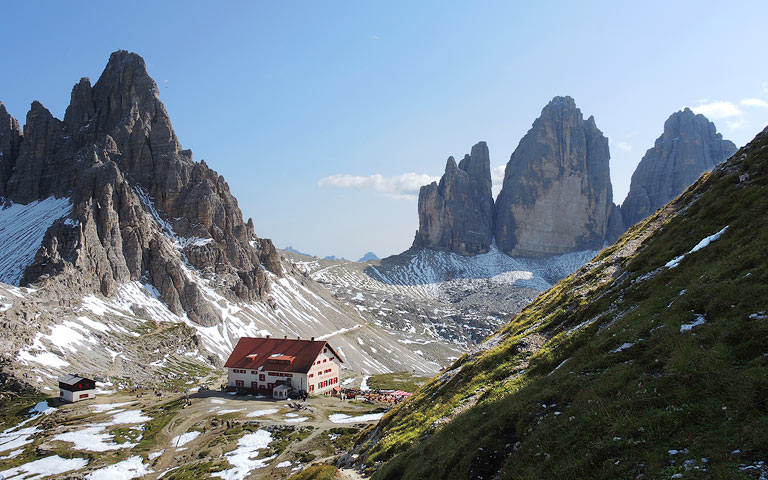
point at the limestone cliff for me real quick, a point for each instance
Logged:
(689, 146)
(142, 208)
(456, 215)
(557, 195)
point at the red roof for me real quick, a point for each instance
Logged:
(277, 354)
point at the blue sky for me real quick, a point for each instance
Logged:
(324, 117)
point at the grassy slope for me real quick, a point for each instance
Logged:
(616, 415)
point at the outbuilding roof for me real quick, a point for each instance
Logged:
(277, 354)
(70, 379)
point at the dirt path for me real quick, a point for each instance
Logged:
(350, 474)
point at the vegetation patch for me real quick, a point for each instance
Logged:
(397, 381)
(16, 407)
(342, 438)
(194, 471)
(161, 416)
(316, 472)
(125, 435)
(283, 436)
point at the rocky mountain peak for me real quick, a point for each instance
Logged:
(557, 194)
(457, 214)
(10, 143)
(141, 207)
(688, 147)
(450, 165)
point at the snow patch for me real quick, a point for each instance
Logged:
(44, 467)
(622, 347)
(184, 438)
(687, 327)
(703, 243)
(261, 413)
(242, 458)
(156, 454)
(42, 407)
(22, 228)
(131, 467)
(343, 418)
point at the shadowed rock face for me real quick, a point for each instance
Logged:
(456, 215)
(689, 146)
(10, 143)
(557, 194)
(139, 200)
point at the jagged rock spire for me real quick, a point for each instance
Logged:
(457, 214)
(10, 143)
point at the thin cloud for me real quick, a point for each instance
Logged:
(401, 187)
(754, 102)
(765, 87)
(497, 174)
(624, 146)
(718, 110)
(497, 179)
(734, 124)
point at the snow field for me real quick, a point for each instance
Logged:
(94, 438)
(22, 228)
(131, 467)
(343, 418)
(262, 413)
(242, 458)
(184, 438)
(44, 467)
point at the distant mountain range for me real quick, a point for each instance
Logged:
(370, 256)
(365, 258)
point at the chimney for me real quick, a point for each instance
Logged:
(313, 339)
(285, 337)
(268, 336)
(298, 338)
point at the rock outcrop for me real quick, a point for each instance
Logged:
(557, 194)
(456, 215)
(142, 208)
(689, 146)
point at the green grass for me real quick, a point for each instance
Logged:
(510, 412)
(125, 435)
(284, 436)
(316, 472)
(161, 416)
(344, 437)
(193, 471)
(16, 407)
(397, 381)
